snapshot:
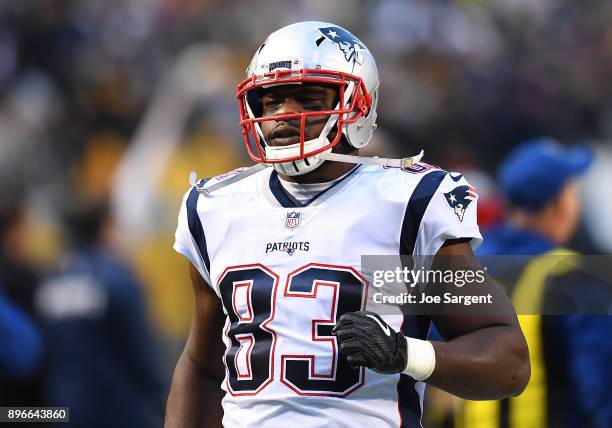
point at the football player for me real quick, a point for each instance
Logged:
(276, 250)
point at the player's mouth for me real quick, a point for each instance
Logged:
(284, 136)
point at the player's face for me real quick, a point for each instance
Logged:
(287, 99)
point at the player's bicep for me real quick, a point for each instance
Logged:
(204, 346)
(457, 255)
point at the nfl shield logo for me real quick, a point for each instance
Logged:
(293, 220)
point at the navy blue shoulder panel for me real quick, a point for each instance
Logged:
(419, 200)
(414, 326)
(195, 225)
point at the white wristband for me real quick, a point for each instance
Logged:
(421, 358)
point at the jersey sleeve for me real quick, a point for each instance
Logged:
(449, 214)
(189, 236)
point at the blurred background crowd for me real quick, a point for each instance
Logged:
(106, 106)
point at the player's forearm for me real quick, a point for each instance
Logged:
(195, 397)
(486, 364)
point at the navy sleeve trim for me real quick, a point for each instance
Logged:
(283, 198)
(419, 200)
(195, 226)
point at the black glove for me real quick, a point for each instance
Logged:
(366, 340)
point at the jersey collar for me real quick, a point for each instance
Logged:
(286, 200)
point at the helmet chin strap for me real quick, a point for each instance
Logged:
(336, 157)
(388, 162)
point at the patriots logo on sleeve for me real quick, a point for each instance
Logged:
(459, 198)
(345, 41)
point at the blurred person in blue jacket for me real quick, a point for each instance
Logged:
(20, 342)
(571, 380)
(103, 362)
(22, 379)
(21, 357)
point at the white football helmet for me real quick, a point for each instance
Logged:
(310, 52)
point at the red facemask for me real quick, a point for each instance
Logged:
(352, 93)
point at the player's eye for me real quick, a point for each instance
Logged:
(271, 102)
(312, 102)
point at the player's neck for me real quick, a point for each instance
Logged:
(328, 171)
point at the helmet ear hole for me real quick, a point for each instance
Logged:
(358, 134)
(373, 105)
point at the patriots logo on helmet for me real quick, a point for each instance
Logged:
(459, 198)
(347, 43)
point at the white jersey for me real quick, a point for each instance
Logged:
(286, 271)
